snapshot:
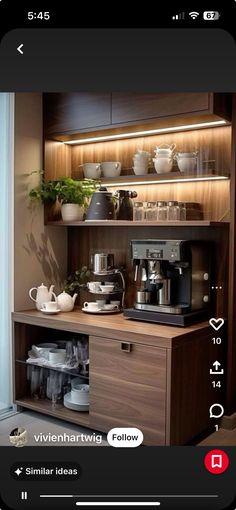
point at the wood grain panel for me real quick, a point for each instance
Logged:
(213, 145)
(45, 407)
(131, 106)
(57, 160)
(124, 398)
(143, 364)
(65, 112)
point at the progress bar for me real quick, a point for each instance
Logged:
(129, 496)
(118, 503)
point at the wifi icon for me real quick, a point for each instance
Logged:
(194, 14)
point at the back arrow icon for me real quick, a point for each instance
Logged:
(19, 49)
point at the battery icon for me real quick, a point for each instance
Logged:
(211, 15)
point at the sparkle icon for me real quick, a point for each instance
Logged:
(18, 471)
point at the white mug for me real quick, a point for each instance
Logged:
(92, 170)
(80, 394)
(50, 306)
(93, 306)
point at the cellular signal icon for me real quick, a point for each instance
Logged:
(181, 15)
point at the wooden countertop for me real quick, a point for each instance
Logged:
(114, 326)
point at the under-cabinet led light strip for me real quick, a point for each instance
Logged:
(135, 134)
(165, 181)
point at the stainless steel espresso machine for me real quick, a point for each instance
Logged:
(172, 281)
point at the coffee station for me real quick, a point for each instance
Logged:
(155, 237)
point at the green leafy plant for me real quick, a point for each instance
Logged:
(65, 189)
(77, 280)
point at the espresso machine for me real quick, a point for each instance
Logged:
(172, 279)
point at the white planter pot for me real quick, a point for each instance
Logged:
(72, 212)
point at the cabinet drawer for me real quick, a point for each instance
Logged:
(128, 387)
(129, 107)
(142, 364)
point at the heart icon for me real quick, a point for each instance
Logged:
(216, 323)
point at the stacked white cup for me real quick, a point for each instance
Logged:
(141, 161)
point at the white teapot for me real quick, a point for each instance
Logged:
(42, 295)
(66, 302)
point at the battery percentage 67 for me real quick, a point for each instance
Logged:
(211, 15)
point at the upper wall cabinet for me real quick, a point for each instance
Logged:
(70, 116)
(130, 107)
(70, 112)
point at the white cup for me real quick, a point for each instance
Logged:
(163, 165)
(57, 355)
(115, 302)
(80, 394)
(110, 306)
(92, 306)
(187, 164)
(94, 286)
(50, 306)
(140, 169)
(92, 170)
(111, 168)
(101, 302)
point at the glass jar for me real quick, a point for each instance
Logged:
(161, 211)
(173, 211)
(182, 211)
(138, 212)
(151, 211)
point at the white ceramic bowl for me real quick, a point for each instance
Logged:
(80, 394)
(107, 288)
(76, 380)
(111, 168)
(57, 355)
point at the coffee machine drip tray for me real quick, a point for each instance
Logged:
(183, 319)
(176, 310)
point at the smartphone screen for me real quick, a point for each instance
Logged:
(117, 256)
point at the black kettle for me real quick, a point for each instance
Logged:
(125, 204)
(102, 206)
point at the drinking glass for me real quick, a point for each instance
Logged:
(138, 211)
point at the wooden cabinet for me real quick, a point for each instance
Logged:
(130, 107)
(71, 112)
(128, 387)
(68, 114)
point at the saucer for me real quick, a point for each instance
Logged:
(50, 312)
(71, 405)
(101, 311)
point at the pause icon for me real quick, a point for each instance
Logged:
(24, 495)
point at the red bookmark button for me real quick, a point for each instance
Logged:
(216, 462)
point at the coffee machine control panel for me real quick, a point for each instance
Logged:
(152, 249)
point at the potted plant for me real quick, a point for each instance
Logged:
(77, 280)
(72, 195)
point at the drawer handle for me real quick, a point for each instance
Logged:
(126, 347)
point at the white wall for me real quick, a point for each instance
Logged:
(40, 253)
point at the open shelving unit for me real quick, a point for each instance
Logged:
(121, 223)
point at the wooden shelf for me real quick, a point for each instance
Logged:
(174, 176)
(73, 372)
(45, 407)
(122, 223)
